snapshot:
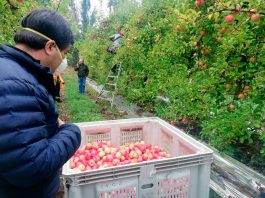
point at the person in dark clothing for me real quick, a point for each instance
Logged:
(58, 89)
(82, 73)
(34, 142)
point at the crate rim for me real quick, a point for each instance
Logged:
(197, 144)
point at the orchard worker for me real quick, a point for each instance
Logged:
(58, 80)
(34, 142)
(117, 39)
(59, 86)
(82, 73)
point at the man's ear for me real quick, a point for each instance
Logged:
(50, 46)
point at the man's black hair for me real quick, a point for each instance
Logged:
(49, 23)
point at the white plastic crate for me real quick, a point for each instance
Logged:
(185, 175)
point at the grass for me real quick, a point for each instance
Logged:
(79, 106)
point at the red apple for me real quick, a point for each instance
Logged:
(113, 151)
(82, 157)
(255, 17)
(247, 88)
(107, 150)
(89, 146)
(109, 158)
(93, 156)
(203, 33)
(91, 163)
(123, 158)
(76, 159)
(241, 96)
(82, 167)
(144, 156)
(201, 2)
(185, 120)
(140, 159)
(229, 19)
(228, 86)
(231, 107)
(200, 63)
(118, 155)
(88, 156)
(115, 162)
(95, 145)
(96, 158)
(223, 30)
(150, 156)
(94, 152)
(206, 52)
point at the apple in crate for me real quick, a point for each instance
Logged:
(103, 154)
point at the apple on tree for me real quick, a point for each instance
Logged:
(255, 17)
(229, 19)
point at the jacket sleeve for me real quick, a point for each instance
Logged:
(33, 148)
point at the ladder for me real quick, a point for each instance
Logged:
(109, 87)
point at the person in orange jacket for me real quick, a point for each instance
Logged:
(58, 80)
(59, 85)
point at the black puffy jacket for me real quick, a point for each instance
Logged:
(82, 70)
(32, 146)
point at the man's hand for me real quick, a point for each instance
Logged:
(60, 122)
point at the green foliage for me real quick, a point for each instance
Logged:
(176, 49)
(229, 127)
(73, 57)
(11, 14)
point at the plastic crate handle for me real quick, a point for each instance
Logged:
(147, 185)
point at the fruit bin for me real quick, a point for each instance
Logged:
(186, 174)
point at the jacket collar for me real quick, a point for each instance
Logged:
(33, 66)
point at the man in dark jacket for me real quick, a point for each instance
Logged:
(82, 73)
(34, 142)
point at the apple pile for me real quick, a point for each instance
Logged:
(102, 154)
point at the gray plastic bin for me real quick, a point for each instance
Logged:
(185, 175)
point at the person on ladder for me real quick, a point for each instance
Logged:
(117, 39)
(82, 73)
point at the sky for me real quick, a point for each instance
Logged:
(99, 5)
